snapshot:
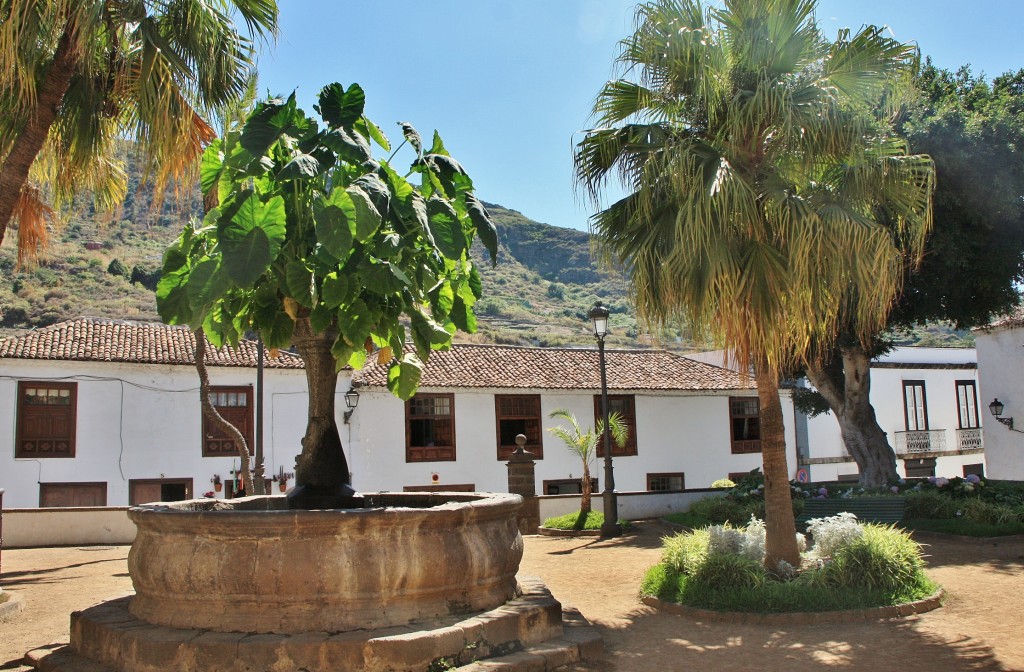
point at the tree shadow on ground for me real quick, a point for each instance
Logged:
(676, 642)
(999, 556)
(30, 576)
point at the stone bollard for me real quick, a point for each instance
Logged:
(523, 482)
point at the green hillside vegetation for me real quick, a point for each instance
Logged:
(539, 294)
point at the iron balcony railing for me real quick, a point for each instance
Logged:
(921, 441)
(969, 439)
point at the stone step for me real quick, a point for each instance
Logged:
(580, 642)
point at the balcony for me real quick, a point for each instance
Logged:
(969, 439)
(921, 441)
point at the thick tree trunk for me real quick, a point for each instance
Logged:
(253, 486)
(780, 526)
(845, 383)
(28, 143)
(321, 471)
(585, 489)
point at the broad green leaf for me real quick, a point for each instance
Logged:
(373, 131)
(267, 124)
(320, 318)
(342, 352)
(466, 292)
(438, 146)
(335, 290)
(350, 147)
(247, 258)
(334, 219)
(301, 167)
(339, 107)
(355, 321)
(357, 360)
(427, 334)
(172, 297)
(375, 188)
(404, 376)
(298, 278)
(485, 229)
(211, 165)
(367, 219)
(445, 298)
(412, 135)
(462, 315)
(278, 334)
(446, 228)
(476, 284)
(207, 283)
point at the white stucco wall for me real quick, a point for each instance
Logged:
(1001, 363)
(676, 432)
(30, 528)
(825, 440)
(142, 422)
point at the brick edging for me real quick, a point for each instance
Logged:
(799, 618)
(928, 534)
(555, 532)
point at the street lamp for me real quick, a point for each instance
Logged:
(611, 528)
(351, 401)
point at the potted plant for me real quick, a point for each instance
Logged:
(217, 484)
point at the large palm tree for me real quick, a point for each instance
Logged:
(79, 76)
(760, 177)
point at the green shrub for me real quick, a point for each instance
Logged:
(963, 527)
(988, 513)
(929, 504)
(883, 559)
(729, 571)
(684, 552)
(721, 510)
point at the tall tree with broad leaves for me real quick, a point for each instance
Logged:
(757, 184)
(77, 77)
(974, 258)
(316, 244)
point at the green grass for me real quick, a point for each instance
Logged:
(963, 527)
(576, 521)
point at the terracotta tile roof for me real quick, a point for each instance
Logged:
(1015, 318)
(500, 366)
(92, 339)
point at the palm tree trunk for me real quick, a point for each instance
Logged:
(256, 487)
(845, 383)
(29, 142)
(585, 490)
(780, 527)
(321, 470)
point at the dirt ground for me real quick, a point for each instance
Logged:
(979, 628)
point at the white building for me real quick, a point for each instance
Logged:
(690, 423)
(927, 401)
(1001, 361)
(106, 413)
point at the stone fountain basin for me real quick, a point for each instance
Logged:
(253, 565)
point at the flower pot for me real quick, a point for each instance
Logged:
(217, 487)
(283, 486)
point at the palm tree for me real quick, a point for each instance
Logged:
(760, 175)
(584, 443)
(77, 77)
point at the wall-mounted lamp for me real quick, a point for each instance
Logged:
(996, 407)
(351, 401)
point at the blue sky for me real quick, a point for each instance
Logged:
(509, 83)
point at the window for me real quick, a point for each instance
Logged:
(72, 494)
(915, 406)
(967, 404)
(235, 405)
(430, 428)
(569, 486)
(666, 482)
(745, 424)
(625, 406)
(518, 414)
(975, 469)
(146, 490)
(922, 468)
(46, 419)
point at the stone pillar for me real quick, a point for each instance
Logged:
(523, 482)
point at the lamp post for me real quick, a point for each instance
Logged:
(351, 401)
(610, 528)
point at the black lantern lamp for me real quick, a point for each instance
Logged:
(611, 528)
(351, 401)
(996, 407)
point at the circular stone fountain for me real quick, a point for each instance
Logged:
(413, 581)
(253, 565)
